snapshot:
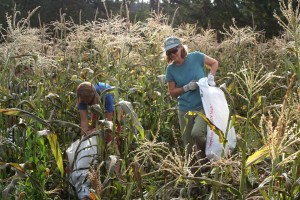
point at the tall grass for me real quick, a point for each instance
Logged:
(41, 68)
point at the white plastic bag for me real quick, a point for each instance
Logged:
(216, 110)
(71, 151)
(86, 151)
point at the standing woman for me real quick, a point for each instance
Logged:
(183, 70)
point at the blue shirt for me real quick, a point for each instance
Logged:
(108, 99)
(191, 69)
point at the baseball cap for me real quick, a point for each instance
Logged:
(171, 42)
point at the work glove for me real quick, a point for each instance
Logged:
(211, 80)
(190, 86)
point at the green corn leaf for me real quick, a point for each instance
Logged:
(129, 191)
(63, 123)
(233, 119)
(54, 98)
(11, 111)
(17, 167)
(291, 158)
(128, 109)
(258, 156)
(214, 128)
(111, 90)
(139, 127)
(18, 112)
(219, 184)
(263, 190)
(25, 102)
(56, 152)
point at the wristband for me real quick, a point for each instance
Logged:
(82, 106)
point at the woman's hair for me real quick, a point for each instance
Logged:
(183, 54)
(86, 92)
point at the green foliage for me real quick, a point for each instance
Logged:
(41, 68)
(205, 13)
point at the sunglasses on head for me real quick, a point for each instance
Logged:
(172, 51)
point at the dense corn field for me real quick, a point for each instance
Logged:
(41, 68)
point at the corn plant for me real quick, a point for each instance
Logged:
(41, 68)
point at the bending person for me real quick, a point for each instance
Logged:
(87, 95)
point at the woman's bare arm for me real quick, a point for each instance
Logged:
(84, 121)
(213, 63)
(173, 90)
